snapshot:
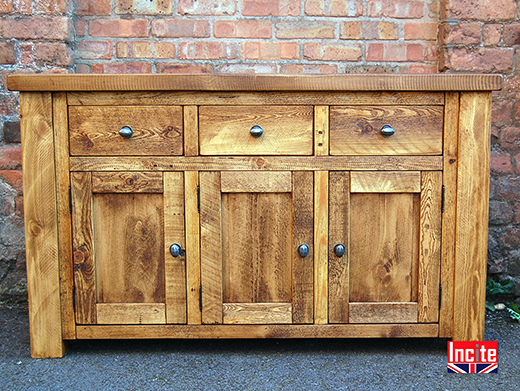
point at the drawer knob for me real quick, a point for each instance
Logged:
(126, 132)
(339, 250)
(176, 250)
(387, 131)
(303, 250)
(256, 131)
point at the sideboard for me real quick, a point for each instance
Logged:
(255, 206)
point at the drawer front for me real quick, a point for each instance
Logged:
(94, 130)
(226, 130)
(356, 130)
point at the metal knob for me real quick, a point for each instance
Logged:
(176, 250)
(339, 250)
(387, 131)
(303, 250)
(126, 132)
(256, 131)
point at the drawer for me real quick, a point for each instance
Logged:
(356, 130)
(226, 130)
(94, 130)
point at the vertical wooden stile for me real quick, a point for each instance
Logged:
(191, 131)
(472, 216)
(41, 225)
(321, 130)
(321, 222)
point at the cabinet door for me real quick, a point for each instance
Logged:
(123, 226)
(252, 224)
(390, 225)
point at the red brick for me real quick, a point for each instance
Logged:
(23, 6)
(12, 132)
(373, 30)
(82, 69)
(270, 7)
(10, 158)
(431, 53)
(269, 50)
(146, 7)
(483, 59)
(26, 53)
(502, 112)
(480, 9)
(426, 31)
(92, 7)
(8, 104)
(501, 163)
(333, 7)
(375, 52)
(120, 28)
(175, 28)
(510, 138)
(6, 6)
(184, 68)
(207, 7)
(37, 27)
(14, 179)
(511, 238)
(145, 49)
(243, 29)
(517, 161)
(332, 52)
(204, 50)
(94, 50)
(123, 67)
(395, 52)
(80, 26)
(52, 7)
(404, 9)
(511, 34)
(414, 52)
(500, 212)
(6, 53)
(247, 68)
(308, 69)
(305, 30)
(351, 30)
(492, 34)
(53, 54)
(460, 33)
(164, 50)
(508, 188)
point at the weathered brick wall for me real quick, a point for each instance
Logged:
(484, 36)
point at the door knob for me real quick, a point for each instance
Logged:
(256, 131)
(176, 250)
(303, 250)
(387, 131)
(339, 250)
(126, 132)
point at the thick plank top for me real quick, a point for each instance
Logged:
(184, 82)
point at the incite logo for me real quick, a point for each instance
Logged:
(472, 357)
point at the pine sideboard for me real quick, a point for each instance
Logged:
(254, 206)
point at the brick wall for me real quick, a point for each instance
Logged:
(264, 36)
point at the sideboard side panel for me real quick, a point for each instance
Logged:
(41, 225)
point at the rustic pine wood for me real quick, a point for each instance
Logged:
(259, 331)
(210, 247)
(131, 313)
(321, 253)
(94, 130)
(127, 182)
(383, 313)
(444, 82)
(472, 216)
(225, 130)
(256, 182)
(449, 176)
(267, 163)
(339, 233)
(191, 130)
(385, 182)
(321, 130)
(355, 130)
(41, 226)
(61, 153)
(257, 313)
(174, 232)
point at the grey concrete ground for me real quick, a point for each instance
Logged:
(395, 364)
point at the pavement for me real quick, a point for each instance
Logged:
(311, 364)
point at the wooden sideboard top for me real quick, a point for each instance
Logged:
(191, 82)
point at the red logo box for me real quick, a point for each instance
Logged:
(472, 357)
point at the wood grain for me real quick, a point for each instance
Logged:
(303, 268)
(256, 182)
(257, 163)
(127, 182)
(191, 130)
(430, 247)
(321, 253)
(191, 183)
(339, 232)
(61, 153)
(210, 247)
(472, 216)
(383, 313)
(41, 226)
(472, 82)
(94, 130)
(355, 130)
(321, 130)
(225, 130)
(385, 182)
(174, 232)
(131, 313)
(259, 331)
(257, 313)
(82, 247)
(249, 98)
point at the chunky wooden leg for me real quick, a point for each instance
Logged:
(41, 228)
